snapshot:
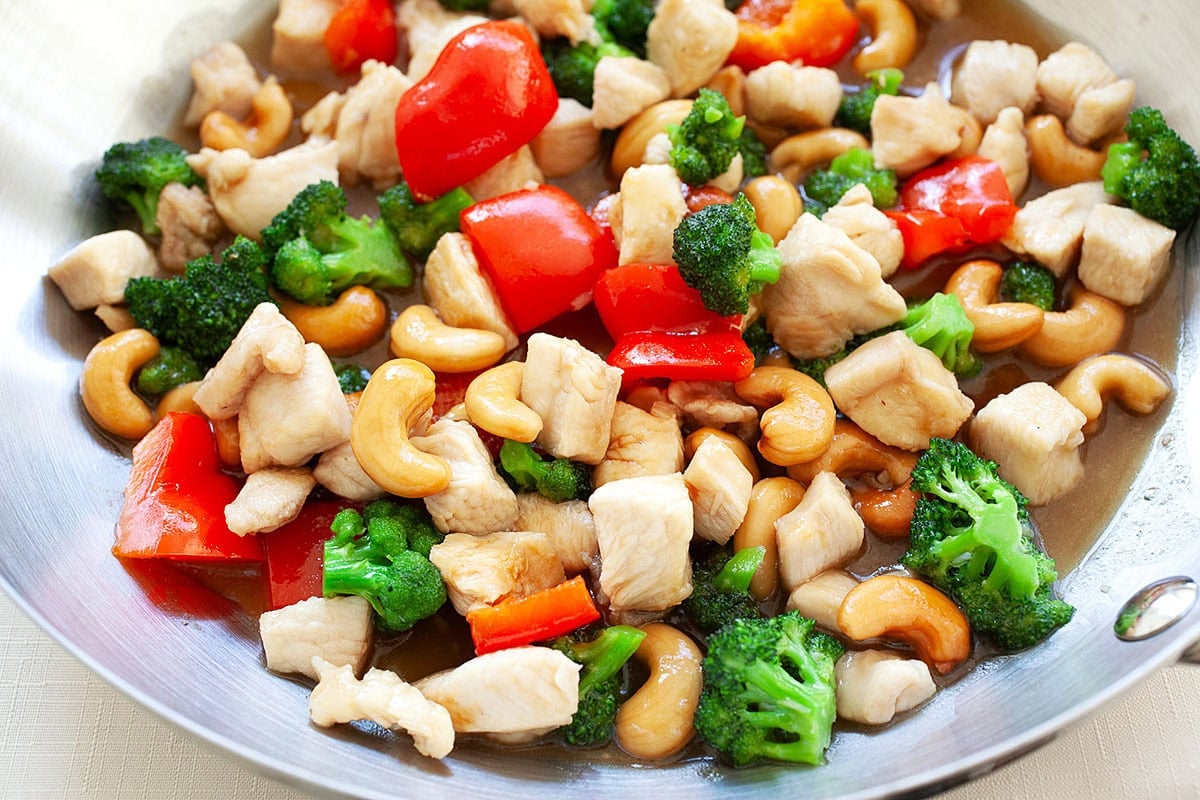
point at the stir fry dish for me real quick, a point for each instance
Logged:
(661, 353)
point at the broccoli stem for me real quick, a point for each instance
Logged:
(738, 572)
(604, 656)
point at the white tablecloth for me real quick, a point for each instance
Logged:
(64, 733)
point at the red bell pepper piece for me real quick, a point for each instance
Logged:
(926, 234)
(714, 356)
(640, 298)
(176, 496)
(540, 616)
(488, 94)
(541, 251)
(296, 553)
(361, 30)
(816, 32)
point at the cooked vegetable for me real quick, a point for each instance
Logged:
(815, 32)
(704, 356)
(359, 31)
(826, 186)
(352, 377)
(754, 154)
(638, 298)
(854, 112)
(941, 326)
(540, 616)
(573, 67)
(704, 144)
(417, 226)
(136, 172)
(295, 553)
(721, 589)
(602, 656)
(759, 339)
(624, 22)
(558, 479)
(1028, 282)
(170, 368)
(1156, 171)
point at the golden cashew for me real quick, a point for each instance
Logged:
(656, 721)
(229, 442)
(731, 83)
(971, 134)
(911, 611)
(777, 205)
(261, 133)
(644, 397)
(398, 394)
(420, 334)
(104, 383)
(1139, 387)
(887, 512)
(734, 443)
(796, 156)
(855, 452)
(1092, 325)
(893, 35)
(631, 141)
(349, 325)
(770, 499)
(798, 425)
(181, 398)
(1056, 159)
(998, 326)
(493, 403)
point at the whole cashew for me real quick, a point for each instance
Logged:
(1056, 159)
(893, 35)
(493, 403)
(229, 442)
(261, 133)
(104, 383)
(354, 321)
(637, 133)
(796, 156)
(420, 334)
(656, 721)
(777, 205)
(887, 512)
(798, 425)
(739, 447)
(1092, 325)
(770, 499)
(397, 396)
(855, 452)
(998, 326)
(1139, 387)
(181, 398)
(731, 83)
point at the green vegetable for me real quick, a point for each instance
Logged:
(759, 339)
(826, 186)
(624, 22)
(1164, 185)
(558, 480)
(573, 67)
(754, 154)
(704, 144)
(1028, 282)
(854, 112)
(720, 588)
(941, 326)
(170, 368)
(136, 172)
(352, 377)
(417, 226)
(599, 682)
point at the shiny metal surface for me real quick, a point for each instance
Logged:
(1155, 609)
(79, 76)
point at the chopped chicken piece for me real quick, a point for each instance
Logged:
(266, 341)
(430, 28)
(338, 471)
(898, 392)
(551, 18)
(189, 225)
(1050, 228)
(868, 227)
(1125, 255)
(1004, 142)
(994, 75)
(461, 293)
(1101, 112)
(719, 485)
(484, 570)
(385, 700)
(115, 318)
(224, 80)
(793, 97)
(821, 533)
(269, 499)
(829, 290)
(644, 527)
(729, 180)
(1033, 434)
(623, 88)
(658, 149)
(574, 392)
(319, 123)
(568, 525)
(569, 142)
(938, 9)
(510, 174)
(706, 404)
(336, 629)
(690, 40)
(651, 206)
(641, 443)
(1078, 86)
(477, 499)
(873, 686)
(299, 35)
(820, 598)
(95, 271)
(910, 133)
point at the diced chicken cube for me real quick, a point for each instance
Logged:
(461, 293)
(1004, 142)
(269, 499)
(1050, 228)
(650, 207)
(719, 485)
(299, 35)
(477, 499)
(898, 392)
(485, 570)
(690, 40)
(623, 87)
(568, 525)
(115, 318)
(910, 133)
(319, 123)
(95, 271)
(1033, 434)
(938, 9)
(994, 75)
(829, 290)
(365, 128)
(569, 142)
(819, 598)
(873, 686)
(658, 149)
(793, 97)
(707, 404)
(338, 471)
(223, 80)
(821, 533)
(554, 18)
(266, 341)
(512, 173)
(430, 28)
(1125, 255)
(189, 225)
(336, 629)
(1077, 85)
(868, 227)
(641, 443)
(644, 527)
(729, 180)
(1101, 112)
(574, 392)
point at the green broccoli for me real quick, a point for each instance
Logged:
(826, 186)
(417, 226)
(754, 154)
(759, 340)
(378, 556)
(704, 143)
(769, 690)
(204, 309)
(722, 253)
(599, 682)
(972, 538)
(573, 67)
(1028, 282)
(136, 173)
(352, 377)
(940, 325)
(319, 250)
(624, 22)
(558, 480)
(1165, 185)
(720, 588)
(854, 112)
(170, 368)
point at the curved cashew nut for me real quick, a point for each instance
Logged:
(893, 35)
(645, 396)
(182, 398)
(354, 321)
(1056, 159)
(637, 133)
(104, 383)
(229, 442)
(493, 403)
(734, 443)
(970, 135)
(656, 721)
(909, 610)
(854, 452)
(399, 392)
(887, 512)
(998, 326)
(261, 133)
(796, 156)
(798, 425)
(1092, 325)
(1139, 387)
(420, 334)
(770, 499)
(777, 205)
(731, 83)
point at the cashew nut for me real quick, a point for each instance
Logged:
(349, 325)
(1056, 159)
(261, 133)
(398, 394)
(770, 499)
(645, 396)
(104, 383)
(777, 205)
(656, 721)
(420, 334)
(637, 133)
(911, 611)
(731, 83)
(970, 135)
(1139, 387)
(229, 442)
(998, 326)
(855, 452)
(739, 447)
(493, 403)
(893, 35)
(821, 597)
(798, 425)
(796, 156)
(887, 512)
(1092, 325)
(181, 398)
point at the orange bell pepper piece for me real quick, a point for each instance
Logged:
(815, 32)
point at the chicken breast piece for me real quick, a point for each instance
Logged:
(690, 40)
(267, 341)
(430, 28)
(1033, 434)
(644, 527)
(1125, 255)
(819, 598)
(568, 525)
(623, 87)
(461, 293)
(994, 75)
(821, 533)
(898, 392)
(115, 318)
(299, 35)
(708, 404)
(869, 228)
(189, 224)
(1004, 142)
(553, 18)
(484, 570)
(829, 290)
(335, 629)
(1101, 112)
(641, 443)
(365, 127)
(338, 471)
(1076, 80)
(651, 206)
(719, 485)
(910, 133)
(95, 271)
(223, 79)
(477, 499)
(1050, 228)
(574, 392)
(269, 499)
(793, 96)
(873, 686)
(511, 173)
(569, 142)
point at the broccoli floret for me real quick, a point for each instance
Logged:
(377, 556)
(1028, 282)
(599, 681)
(170, 368)
(854, 112)
(417, 226)
(972, 538)
(940, 325)
(352, 377)
(319, 250)
(704, 144)
(754, 154)
(136, 173)
(759, 340)
(769, 690)
(204, 309)
(826, 186)
(1165, 185)
(558, 480)
(722, 253)
(572, 68)
(720, 588)
(624, 22)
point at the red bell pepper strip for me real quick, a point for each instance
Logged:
(488, 94)
(816, 32)
(541, 251)
(359, 31)
(295, 553)
(640, 298)
(176, 496)
(716, 356)
(926, 234)
(540, 616)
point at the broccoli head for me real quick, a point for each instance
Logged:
(720, 588)
(940, 325)
(573, 67)
(624, 22)
(722, 253)
(136, 172)
(602, 658)
(417, 226)
(854, 112)
(1028, 282)
(825, 187)
(170, 368)
(352, 378)
(759, 339)
(704, 143)
(754, 154)
(1165, 184)
(558, 480)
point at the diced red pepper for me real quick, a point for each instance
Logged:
(536, 618)
(295, 553)
(926, 234)
(815, 32)
(176, 496)
(361, 30)
(600, 213)
(641, 298)
(717, 356)
(541, 251)
(488, 94)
